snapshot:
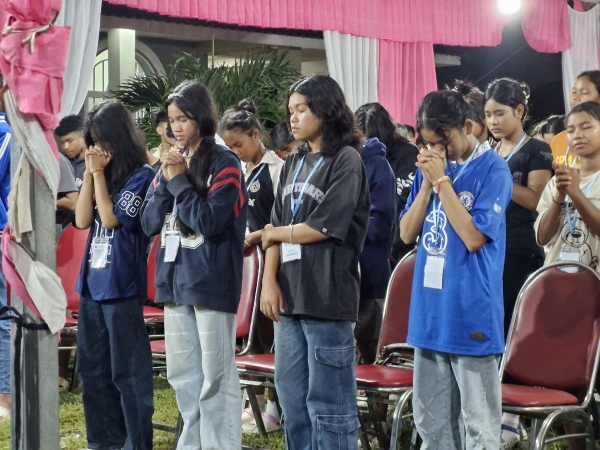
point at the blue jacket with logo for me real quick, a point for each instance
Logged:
(207, 270)
(5, 138)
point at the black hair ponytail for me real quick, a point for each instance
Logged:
(509, 92)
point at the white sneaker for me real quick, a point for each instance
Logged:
(509, 437)
(271, 424)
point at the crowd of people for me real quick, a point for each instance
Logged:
(335, 199)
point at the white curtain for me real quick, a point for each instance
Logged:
(354, 63)
(83, 16)
(583, 55)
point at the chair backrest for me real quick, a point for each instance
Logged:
(250, 297)
(151, 289)
(70, 251)
(555, 330)
(394, 326)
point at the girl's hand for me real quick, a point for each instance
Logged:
(431, 163)
(267, 237)
(271, 300)
(170, 160)
(567, 180)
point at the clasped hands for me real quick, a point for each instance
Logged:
(173, 163)
(567, 180)
(96, 158)
(432, 163)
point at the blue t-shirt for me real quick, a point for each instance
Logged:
(466, 316)
(125, 272)
(5, 141)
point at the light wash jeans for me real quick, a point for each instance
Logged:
(200, 347)
(315, 379)
(457, 400)
(5, 341)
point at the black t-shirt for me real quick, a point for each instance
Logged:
(402, 160)
(325, 282)
(520, 235)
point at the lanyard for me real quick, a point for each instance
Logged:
(518, 146)
(572, 220)
(295, 204)
(262, 166)
(476, 153)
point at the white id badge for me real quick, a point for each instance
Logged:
(290, 252)
(172, 240)
(569, 253)
(99, 249)
(434, 272)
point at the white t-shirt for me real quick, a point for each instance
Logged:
(587, 243)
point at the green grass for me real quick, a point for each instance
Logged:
(72, 424)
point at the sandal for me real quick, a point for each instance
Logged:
(63, 385)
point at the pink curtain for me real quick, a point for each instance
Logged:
(546, 25)
(406, 75)
(449, 22)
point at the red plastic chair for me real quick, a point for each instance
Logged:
(392, 372)
(70, 251)
(551, 361)
(152, 314)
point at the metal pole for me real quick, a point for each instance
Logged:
(40, 421)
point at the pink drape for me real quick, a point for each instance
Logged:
(449, 22)
(546, 25)
(406, 75)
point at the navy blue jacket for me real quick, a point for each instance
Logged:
(375, 257)
(207, 271)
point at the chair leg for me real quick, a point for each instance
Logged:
(381, 437)
(363, 436)
(397, 418)
(178, 430)
(256, 411)
(575, 415)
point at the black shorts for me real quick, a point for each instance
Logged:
(370, 314)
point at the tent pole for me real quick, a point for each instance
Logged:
(40, 422)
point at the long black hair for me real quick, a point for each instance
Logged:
(241, 118)
(509, 92)
(196, 102)
(281, 136)
(111, 126)
(373, 120)
(326, 101)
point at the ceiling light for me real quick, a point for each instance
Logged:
(509, 6)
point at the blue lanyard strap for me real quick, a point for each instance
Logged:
(574, 164)
(518, 146)
(476, 153)
(295, 203)
(262, 166)
(572, 220)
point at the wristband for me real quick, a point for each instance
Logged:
(436, 184)
(558, 203)
(97, 170)
(291, 233)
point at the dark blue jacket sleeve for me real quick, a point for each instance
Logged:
(223, 204)
(157, 204)
(382, 186)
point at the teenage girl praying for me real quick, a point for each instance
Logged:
(457, 210)
(242, 132)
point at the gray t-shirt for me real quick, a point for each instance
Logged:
(66, 184)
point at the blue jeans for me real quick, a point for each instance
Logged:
(457, 400)
(115, 367)
(5, 339)
(316, 383)
(200, 347)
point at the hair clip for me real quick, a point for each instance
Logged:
(526, 97)
(174, 95)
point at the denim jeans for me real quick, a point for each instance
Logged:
(115, 367)
(457, 400)
(5, 340)
(316, 383)
(200, 347)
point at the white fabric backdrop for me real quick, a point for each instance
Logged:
(83, 16)
(354, 63)
(583, 55)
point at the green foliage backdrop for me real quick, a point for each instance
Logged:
(264, 81)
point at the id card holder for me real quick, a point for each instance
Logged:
(99, 250)
(434, 271)
(172, 241)
(569, 253)
(290, 252)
